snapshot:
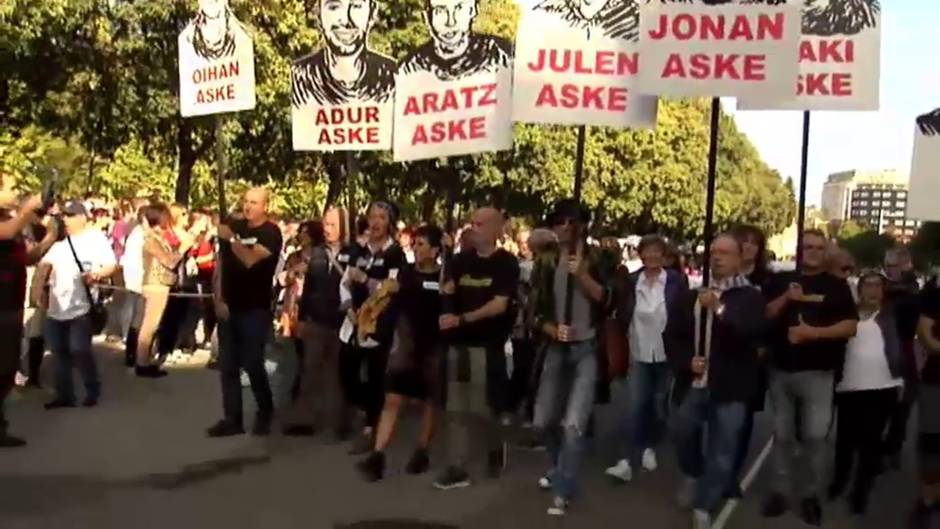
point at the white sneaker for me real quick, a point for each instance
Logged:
(649, 460)
(559, 507)
(701, 520)
(545, 483)
(686, 491)
(621, 471)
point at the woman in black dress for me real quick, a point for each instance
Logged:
(414, 363)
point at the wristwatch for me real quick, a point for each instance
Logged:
(461, 320)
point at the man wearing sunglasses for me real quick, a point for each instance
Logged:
(812, 314)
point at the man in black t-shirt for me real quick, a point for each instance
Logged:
(477, 321)
(249, 249)
(812, 315)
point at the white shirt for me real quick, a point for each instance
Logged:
(649, 319)
(67, 297)
(866, 367)
(132, 262)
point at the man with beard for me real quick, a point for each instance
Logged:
(455, 51)
(345, 70)
(212, 32)
(617, 19)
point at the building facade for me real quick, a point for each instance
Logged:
(873, 199)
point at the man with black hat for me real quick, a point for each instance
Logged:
(570, 295)
(477, 322)
(83, 258)
(15, 256)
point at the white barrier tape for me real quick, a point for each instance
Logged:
(172, 294)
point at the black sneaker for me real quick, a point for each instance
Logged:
(299, 430)
(8, 441)
(452, 478)
(858, 504)
(150, 371)
(419, 462)
(835, 490)
(774, 506)
(811, 512)
(90, 402)
(59, 403)
(496, 462)
(372, 468)
(262, 426)
(225, 428)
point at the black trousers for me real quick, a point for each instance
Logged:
(366, 394)
(897, 427)
(861, 420)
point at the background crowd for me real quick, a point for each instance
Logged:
(513, 324)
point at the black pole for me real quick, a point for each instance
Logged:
(711, 188)
(801, 212)
(576, 238)
(579, 163)
(221, 160)
(710, 191)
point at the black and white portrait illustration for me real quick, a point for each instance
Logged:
(929, 123)
(216, 62)
(214, 32)
(826, 18)
(455, 50)
(616, 19)
(345, 70)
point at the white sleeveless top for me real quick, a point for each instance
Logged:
(866, 366)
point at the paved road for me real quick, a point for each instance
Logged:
(140, 460)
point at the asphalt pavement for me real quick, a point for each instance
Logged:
(141, 460)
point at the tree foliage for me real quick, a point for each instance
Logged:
(93, 88)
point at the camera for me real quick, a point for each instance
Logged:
(49, 177)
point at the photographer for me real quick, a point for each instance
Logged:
(84, 257)
(15, 256)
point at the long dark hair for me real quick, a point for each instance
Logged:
(744, 232)
(203, 48)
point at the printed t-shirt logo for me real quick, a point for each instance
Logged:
(473, 282)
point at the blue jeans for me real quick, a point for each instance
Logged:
(70, 342)
(563, 407)
(242, 339)
(719, 424)
(644, 405)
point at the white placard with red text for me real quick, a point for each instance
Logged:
(839, 69)
(353, 127)
(723, 50)
(436, 118)
(214, 81)
(564, 76)
(923, 197)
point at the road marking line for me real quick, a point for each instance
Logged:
(749, 478)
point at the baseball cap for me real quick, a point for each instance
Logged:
(74, 208)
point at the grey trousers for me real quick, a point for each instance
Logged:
(475, 379)
(813, 392)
